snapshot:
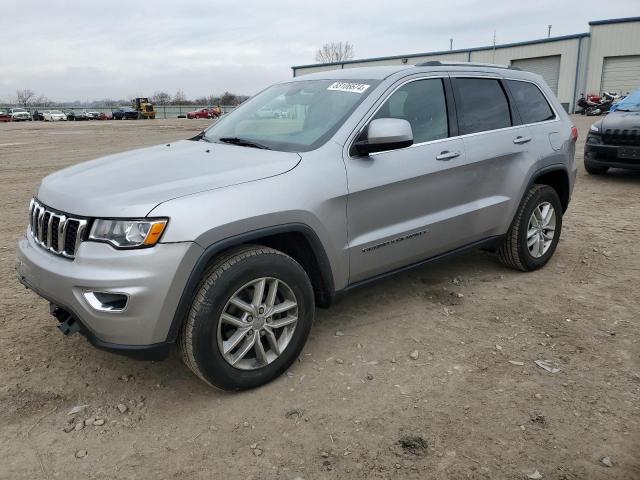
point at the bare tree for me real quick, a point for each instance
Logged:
(41, 101)
(229, 98)
(179, 98)
(24, 97)
(161, 98)
(335, 52)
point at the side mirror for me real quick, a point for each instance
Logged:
(385, 134)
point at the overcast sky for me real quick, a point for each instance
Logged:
(86, 50)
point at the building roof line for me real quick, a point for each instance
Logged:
(615, 20)
(443, 52)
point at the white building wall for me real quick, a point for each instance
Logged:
(567, 49)
(605, 40)
(609, 40)
(452, 57)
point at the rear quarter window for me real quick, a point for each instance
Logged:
(530, 102)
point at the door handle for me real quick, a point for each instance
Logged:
(447, 155)
(520, 140)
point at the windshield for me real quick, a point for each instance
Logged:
(292, 117)
(631, 103)
(19, 110)
(57, 112)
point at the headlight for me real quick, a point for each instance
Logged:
(594, 128)
(128, 233)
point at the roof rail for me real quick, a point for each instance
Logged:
(438, 63)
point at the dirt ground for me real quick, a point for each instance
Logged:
(358, 404)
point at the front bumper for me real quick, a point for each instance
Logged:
(153, 279)
(600, 155)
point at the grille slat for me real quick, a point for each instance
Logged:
(55, 231)
(615, 136)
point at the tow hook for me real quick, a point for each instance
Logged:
(68, 324)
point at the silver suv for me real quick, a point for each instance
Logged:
(226, 243)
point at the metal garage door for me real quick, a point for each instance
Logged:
(621, 74)
(547, 67)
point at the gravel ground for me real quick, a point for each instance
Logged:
(427, 374)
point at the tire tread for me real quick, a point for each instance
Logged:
(508, 253)
(210, 276)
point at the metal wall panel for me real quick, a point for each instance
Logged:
(547, 67)
(621, 74)
(610, 40)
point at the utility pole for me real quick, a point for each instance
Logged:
(451, 44)
(549, 31)
(493, 58)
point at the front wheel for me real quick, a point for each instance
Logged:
(249, 319)
(533, 237)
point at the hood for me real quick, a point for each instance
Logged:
(621, 120)
(131, 184)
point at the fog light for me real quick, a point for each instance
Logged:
(106, 301)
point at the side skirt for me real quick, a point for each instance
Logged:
(487, 244)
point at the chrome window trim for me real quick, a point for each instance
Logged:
(384, 98)
(493, 76)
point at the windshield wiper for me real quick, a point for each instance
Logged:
(200, 136)
(243, 142)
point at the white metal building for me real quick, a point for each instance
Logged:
(607, 58)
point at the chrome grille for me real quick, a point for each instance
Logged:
(55, 231)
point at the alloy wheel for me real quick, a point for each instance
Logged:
(257, 323)
(541, 229)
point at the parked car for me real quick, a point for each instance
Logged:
(124, 113)
(93, 115)
(226, 243)
(5, 116)
(53, 116)
(209, 112)
(105, 116)
(37, 116)
(19, 114)
(614, 141)
(77, 116)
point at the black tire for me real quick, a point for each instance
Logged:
(514, 252)
(198, 340)
(593, 170)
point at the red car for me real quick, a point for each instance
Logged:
(105, 116)
(213, 112)
(5, 116)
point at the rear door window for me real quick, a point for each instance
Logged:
(422, 103)
(531, 103)
(481, 104)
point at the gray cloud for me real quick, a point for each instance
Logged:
(78, 49)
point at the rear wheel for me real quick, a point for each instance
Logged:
(593, 170)
(535, 232)
(249, 319)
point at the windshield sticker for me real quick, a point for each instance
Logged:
(349, 87)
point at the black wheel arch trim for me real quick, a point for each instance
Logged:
(556, 167)
(213, 250)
